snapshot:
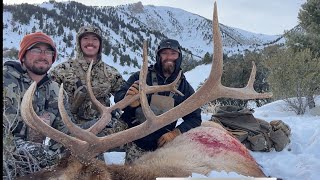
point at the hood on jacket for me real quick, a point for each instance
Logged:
(20, 72)
(16, 65)
(84, 30)
(169, 44)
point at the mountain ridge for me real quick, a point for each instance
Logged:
(124, 28)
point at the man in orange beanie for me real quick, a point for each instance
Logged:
(32, 39)
(37, 53)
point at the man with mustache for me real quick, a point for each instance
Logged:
(23, 148)
(105, 79)
(164, 71)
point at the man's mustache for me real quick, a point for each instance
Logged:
(91, 46)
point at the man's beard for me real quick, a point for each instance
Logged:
(168, 68)
(36, 70)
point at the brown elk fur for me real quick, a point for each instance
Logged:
(203, 149)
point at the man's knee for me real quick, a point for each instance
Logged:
(133, 152)
(117, 126)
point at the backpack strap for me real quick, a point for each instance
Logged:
(154, 81)
(154, 78)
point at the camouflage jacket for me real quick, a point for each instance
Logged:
(15, 82)
(105, 79)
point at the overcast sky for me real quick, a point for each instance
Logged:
(259, 16)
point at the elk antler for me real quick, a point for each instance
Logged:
(86, 145)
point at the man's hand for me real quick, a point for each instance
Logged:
(133, 90)
(167, 137)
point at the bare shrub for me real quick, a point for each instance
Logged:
(210, 108)
(16, 161)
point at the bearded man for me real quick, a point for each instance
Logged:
(24, 150)
(164, 71)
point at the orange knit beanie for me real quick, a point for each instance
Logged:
(30, 40)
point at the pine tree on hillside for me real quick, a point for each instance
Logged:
(308, 39)
(293, 77)
(309, 16)
(207, 59)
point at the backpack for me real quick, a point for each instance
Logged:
(256, 134)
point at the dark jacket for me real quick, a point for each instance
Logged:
(191, 120)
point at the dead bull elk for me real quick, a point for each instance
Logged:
(200, 150)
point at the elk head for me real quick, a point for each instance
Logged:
(85, 145)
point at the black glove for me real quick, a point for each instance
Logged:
(115, 116)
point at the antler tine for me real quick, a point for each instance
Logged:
(143, 85)
(94, 100)
(25, 107)
(249, 87)
(74, 129)
(30, 117)
(217, 65)
(104, 111)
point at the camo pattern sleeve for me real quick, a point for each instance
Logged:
(115, 78)
(55, 75)
(12, 96)
(16, 134)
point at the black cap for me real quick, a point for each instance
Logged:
(169, 44)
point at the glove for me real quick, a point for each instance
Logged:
(116, 113)
(133, 90)
(167, 137)
(115, 117)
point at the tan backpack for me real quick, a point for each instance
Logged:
(256, 134)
